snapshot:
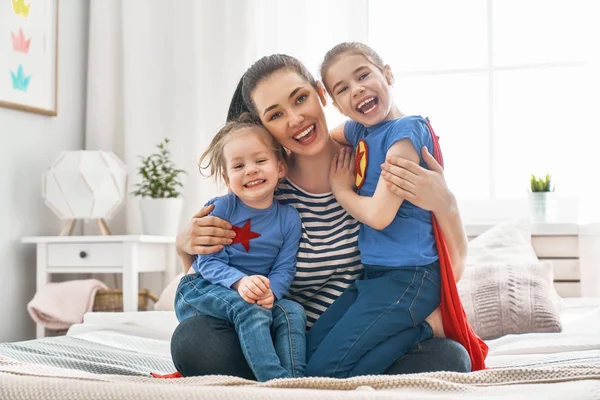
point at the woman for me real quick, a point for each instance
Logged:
(283, 93)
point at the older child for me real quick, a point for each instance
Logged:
(242, 282)
(382, 315)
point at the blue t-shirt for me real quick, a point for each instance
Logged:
(266, 244)
(409, 239)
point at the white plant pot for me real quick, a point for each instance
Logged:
(543, 206)
(161, 216)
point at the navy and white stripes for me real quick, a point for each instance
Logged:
(328, 258)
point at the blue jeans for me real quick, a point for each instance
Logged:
(270, 353)
(374, 322)
(204, 345)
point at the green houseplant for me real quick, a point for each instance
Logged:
(542, 199)
(160, 191)
(541, 184)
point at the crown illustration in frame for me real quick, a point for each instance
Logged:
(19, 42)
(29, 64)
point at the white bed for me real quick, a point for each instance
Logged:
(553, 365)
(110, 356)
(150, 333)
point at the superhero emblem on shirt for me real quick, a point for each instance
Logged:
(360, 163)
(243, 235)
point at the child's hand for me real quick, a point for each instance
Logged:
(341, 173)
(267, 300)
(252, 288)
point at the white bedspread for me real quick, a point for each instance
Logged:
(579, 342)
(150, 332)
(549, 366)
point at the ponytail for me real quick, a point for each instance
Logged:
(237, 106)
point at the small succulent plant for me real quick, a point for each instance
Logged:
(541, 184)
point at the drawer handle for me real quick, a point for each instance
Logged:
(82, 254)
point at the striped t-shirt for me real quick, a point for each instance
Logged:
(328, 258)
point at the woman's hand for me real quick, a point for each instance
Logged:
(341, 173)
(427, 189)
(424, 188)
(204, 234)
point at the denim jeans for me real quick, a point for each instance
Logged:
(270, 353)
(205, 345)
(374, 322)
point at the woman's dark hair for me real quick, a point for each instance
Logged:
(260, 70)
(237, 106)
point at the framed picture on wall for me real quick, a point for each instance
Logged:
(28, 55)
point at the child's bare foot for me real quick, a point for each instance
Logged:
(435, 320)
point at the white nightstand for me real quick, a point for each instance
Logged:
(126, 255)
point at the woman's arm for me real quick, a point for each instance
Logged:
(456, 238)
(427, 189)
(204, 235)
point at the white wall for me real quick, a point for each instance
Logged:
(29, 144)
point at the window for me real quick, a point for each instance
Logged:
(507, 84)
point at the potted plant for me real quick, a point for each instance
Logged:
(161, 201)
(542, 198)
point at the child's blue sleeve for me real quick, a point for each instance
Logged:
(223, 206)
(353, 132)
(215, 267)
(415, 129)
(284, 269)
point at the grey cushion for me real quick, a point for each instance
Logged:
(509, 299)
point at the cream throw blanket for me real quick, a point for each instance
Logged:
(24, 381)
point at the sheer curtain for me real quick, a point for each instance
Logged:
(168, 69)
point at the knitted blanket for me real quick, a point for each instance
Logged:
(27, 381)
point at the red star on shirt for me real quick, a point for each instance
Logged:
(243, 235)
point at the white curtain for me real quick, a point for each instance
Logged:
(159, 68)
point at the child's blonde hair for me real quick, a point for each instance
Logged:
(352, 48)
(213, 156)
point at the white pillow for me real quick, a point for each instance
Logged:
(511, 299)
(166, 301)
(507, 243)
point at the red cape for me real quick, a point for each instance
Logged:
(454, 319)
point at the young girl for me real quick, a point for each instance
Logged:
(383, 314)
(241, 283)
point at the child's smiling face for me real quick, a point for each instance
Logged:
(360, 90)
(252, 170)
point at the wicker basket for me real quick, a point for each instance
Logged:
(111, 300)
